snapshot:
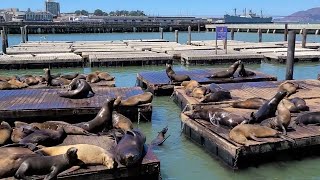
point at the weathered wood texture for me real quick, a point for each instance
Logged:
(45, 104)
(158, 82)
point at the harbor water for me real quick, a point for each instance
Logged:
(180, 158)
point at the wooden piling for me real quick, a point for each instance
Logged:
(304, 37)
(290, 55)
(176, 33)
(161, 33)
(6, 37)
(22, 35)
(3, 36)
(232, 34)
(198, 26)
(260, 34)
(286, 32)
(26, 33)
(189, 35)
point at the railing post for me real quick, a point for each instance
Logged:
(290, 55)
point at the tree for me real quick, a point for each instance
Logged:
(84, 12)
(77, 12)
(98, 12)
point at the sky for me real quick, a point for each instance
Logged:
(174, 7)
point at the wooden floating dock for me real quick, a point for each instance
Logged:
(158, 82)
(242, 91)
(93, 85)
(45, 104)
(281, 57)
(149, 168)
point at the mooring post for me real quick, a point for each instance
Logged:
(286, 32)
(176, 33)
(6, 36)
(161, 33)
(260, 34)
(22, 35)
(304, 37)
(198, 26)
(232, 34)
(26, 33)
(3, 36)
(290, 55)
(189, 35)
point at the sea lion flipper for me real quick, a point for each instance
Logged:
(163, 141)
(253, 137)
(285, 137)
(53, 174)
(284, 131)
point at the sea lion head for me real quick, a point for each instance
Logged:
(72, 154)
(109, 102)
(117, 102)
(281, 94)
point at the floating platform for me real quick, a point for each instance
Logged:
(158, 82)
(93, 85)
(38, 50)
(45, 104)
(281, 57)
(149, 168)
(242, 91)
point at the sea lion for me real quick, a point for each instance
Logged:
(69, 76)
(5, 132)
(282, 120)
(201, 113)
(102, 120)
(290, 106)
(308, 118)
(31, 81)
(290, 87)
(81, 76)
(225, 118)
(82, 90)
(47, 76)
(216, 97)
(130, 149)
(175, 77)
(92, 78)
(199, 92)
(18, 83)
(268, 109)
(189, 85)
(159, 140)
(227, 73)
(11, 159)
(241, 133)
(62, 81)
(104, 76)
(251, 103)
(88, 154)
(300, 104)
(7, 86)
(40, 79)
(45, 137)
(120, 121)
(4, 78)
(20, 132)
(138, 99)
(244, 73)
(50, 166)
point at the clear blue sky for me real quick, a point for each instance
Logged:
(173, 7)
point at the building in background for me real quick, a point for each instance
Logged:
(53, 7)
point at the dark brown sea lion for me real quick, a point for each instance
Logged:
(18, 83)
(290, 87)
(5, 132)
(69, 76)
(40, 79)
(82, 90)
(244, 73)
(268, 109)
(251, 103)
(50, 166)
(159, 140)
(138, 99)
(92, 78)
(104, 76)
(225, 118)
(308, 118)
(175, 77)
(88, 154)
(63, 81)
(300, 104)
(120, 121)
(102, 120)
(241, 133)
(199, 92)
(11, 159)
(47, 76)
(290, 106)
(45, 137)
(20, 132)
(227, 73)
(282, 120)
(130, 149)
(201, 113)
(216, 97)
(81, 76)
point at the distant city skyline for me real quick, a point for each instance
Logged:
(173, 7)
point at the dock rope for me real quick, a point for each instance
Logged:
(185, 108)
(139, 115)
(172, 95)
(236, 158)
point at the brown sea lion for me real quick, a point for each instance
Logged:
(225, 118)
(175, 77)
(199, 92)
(312, 118)
(159, 140)
(47, 76)
(31, 81)
(92, 78)
(50, 166)
(4, 78)
(104, 76)
(268, 109)
(244, 73)
(282, 120)
(227, 73)
(138, 99)
(290, 106)
(102, 120)
(69, 76)
(45, 137)
(120, 121)
(82, 90)
(190, 85)
(20, 132)
(88, 154)
(40, 79)
(17, 83)
(130, 149)
(63, 81)
(290, 87)
(7, 86)
(5, 132)
(251, 103)
(300, 104)
(241, 133)
(216, 97)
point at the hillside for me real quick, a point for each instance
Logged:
(308, 16)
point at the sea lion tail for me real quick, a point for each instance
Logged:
(285, 137)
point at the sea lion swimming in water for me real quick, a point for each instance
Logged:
(144, 98)
(244, 73)
(82, 90)
(216, 97)
(227, 73)
(300, 104)
(251, 103)
(175, 77)
(159, 140)
(5, 132)
(50, 166)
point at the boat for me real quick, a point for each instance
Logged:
(246, 18)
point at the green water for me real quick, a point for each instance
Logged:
(182, 159)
